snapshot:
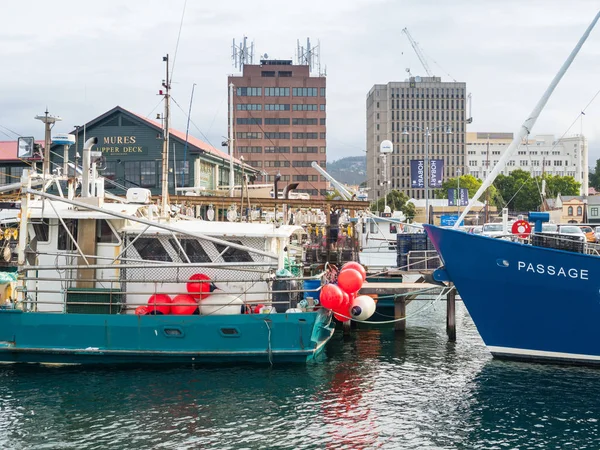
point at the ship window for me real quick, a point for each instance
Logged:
(151, 249)
(42, 230)
(233, 254)
(193, 250)
(64, 241)
(105, 234)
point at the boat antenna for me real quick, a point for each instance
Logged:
(187, 132)
(165, 156)
(528, 124)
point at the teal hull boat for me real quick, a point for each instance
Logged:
(34, 337)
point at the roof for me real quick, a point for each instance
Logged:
(176, 134)
(8, 150)
(568, 198)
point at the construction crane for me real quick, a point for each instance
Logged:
(418, 51)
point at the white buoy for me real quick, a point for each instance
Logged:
(220, 303)
(362, 307)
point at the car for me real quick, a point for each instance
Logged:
(549, 228)
(477, 229)
(492, 230)
(572, 230)
(589, 232)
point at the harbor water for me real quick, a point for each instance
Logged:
(372, 390)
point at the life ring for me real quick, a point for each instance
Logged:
(521, 228)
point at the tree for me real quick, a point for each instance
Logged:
(469, 182)
(594, 176)
(397, 201)
(560, 185)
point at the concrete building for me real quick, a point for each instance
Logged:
(280, 122)
(542, 153)
(414, 105)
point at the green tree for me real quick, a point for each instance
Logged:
(560, 185)
(594, 176)
(472, 184)
(397, 201)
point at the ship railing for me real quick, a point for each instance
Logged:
(420, 260)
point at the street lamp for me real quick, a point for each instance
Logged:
(458, 174)
(427, 131)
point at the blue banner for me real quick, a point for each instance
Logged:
(417, 173)
(462, 201)
(449, 221)
(436, 173)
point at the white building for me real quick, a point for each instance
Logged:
(540, 154)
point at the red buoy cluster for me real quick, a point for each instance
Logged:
(340, 297)
(198, 288)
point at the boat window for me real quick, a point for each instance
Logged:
(233, 254)
(104, 233)
(373, 227)
(64, 241)
(193, 250)
(42, 230)
(393, 228)
(151, 249)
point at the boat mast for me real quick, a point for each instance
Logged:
(528, 124)
(230, 141)
(487, 192)
(165, 155)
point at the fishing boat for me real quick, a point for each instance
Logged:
(107, 280)
(527, 300)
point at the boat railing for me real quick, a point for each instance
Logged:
(419, 260)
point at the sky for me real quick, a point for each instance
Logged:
(79, 59)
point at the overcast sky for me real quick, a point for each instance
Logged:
(82, 58)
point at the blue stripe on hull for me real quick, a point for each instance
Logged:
(110, 339)
(522, 303)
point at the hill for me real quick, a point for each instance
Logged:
(349, 170)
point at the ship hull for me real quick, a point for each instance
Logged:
(30, 337)
(527, 302)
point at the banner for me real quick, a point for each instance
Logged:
(462, 201)
(417, 173)
(436, 173)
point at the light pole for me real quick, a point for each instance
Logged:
(427, 131)
(458, 174)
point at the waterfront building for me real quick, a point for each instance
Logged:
(401, 112)
(279, 111)
(566, 156)
(132, 146)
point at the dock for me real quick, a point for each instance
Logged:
(398, 295)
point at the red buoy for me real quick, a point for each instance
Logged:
(159, 304)
(197, 289)
(184, 304)
(356, 266)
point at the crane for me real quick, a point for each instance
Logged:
(418, 51)
(345, 193)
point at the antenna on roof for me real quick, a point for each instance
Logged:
(241, 54)
(310, 56)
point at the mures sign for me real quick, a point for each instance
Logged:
(121, 145)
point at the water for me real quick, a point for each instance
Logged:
(371, 391)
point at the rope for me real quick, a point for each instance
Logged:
(270, 351)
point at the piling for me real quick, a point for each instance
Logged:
(451, 314)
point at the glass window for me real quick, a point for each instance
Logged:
(579, 210)
(132, 173)
(64, 241)
(233, 254)
(3, 175)
(104, 233)
(147, 173)
(183, 173)
(193, 250)
(570, 211)
(42, 230)
(151, 249)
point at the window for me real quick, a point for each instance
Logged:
(277, 164)
(298, 107)
(304, 135)
(277, 135)
(304, 92)
(249, 92)
(570, 211)
(305, 121)
(248, 135)
(254, 163)
(322, 135)
(277, 92)
(183, 173)
(192, 248)
(304, 149)
(322, 92)
(64, 241)
(230, 254)
(3, 175)
(305, 178)
(321, 121)
(249, 107)
(322, 107)
(302, 163)
(104, 233)
(285, 73)
(277, 121)
(249, 149)
(277, 149)
(248, 121)
(594, 212)
(579, 211)
(267, 73)
(132, 173)
(281, 107)
(42, 230)
(147, 173)
(110, 173)
(151, 249)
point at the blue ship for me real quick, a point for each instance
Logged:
(528, 302)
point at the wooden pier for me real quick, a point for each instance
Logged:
(406, 292)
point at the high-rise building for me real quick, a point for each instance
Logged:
(280, 122)
(402, 112)
(539, 154)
